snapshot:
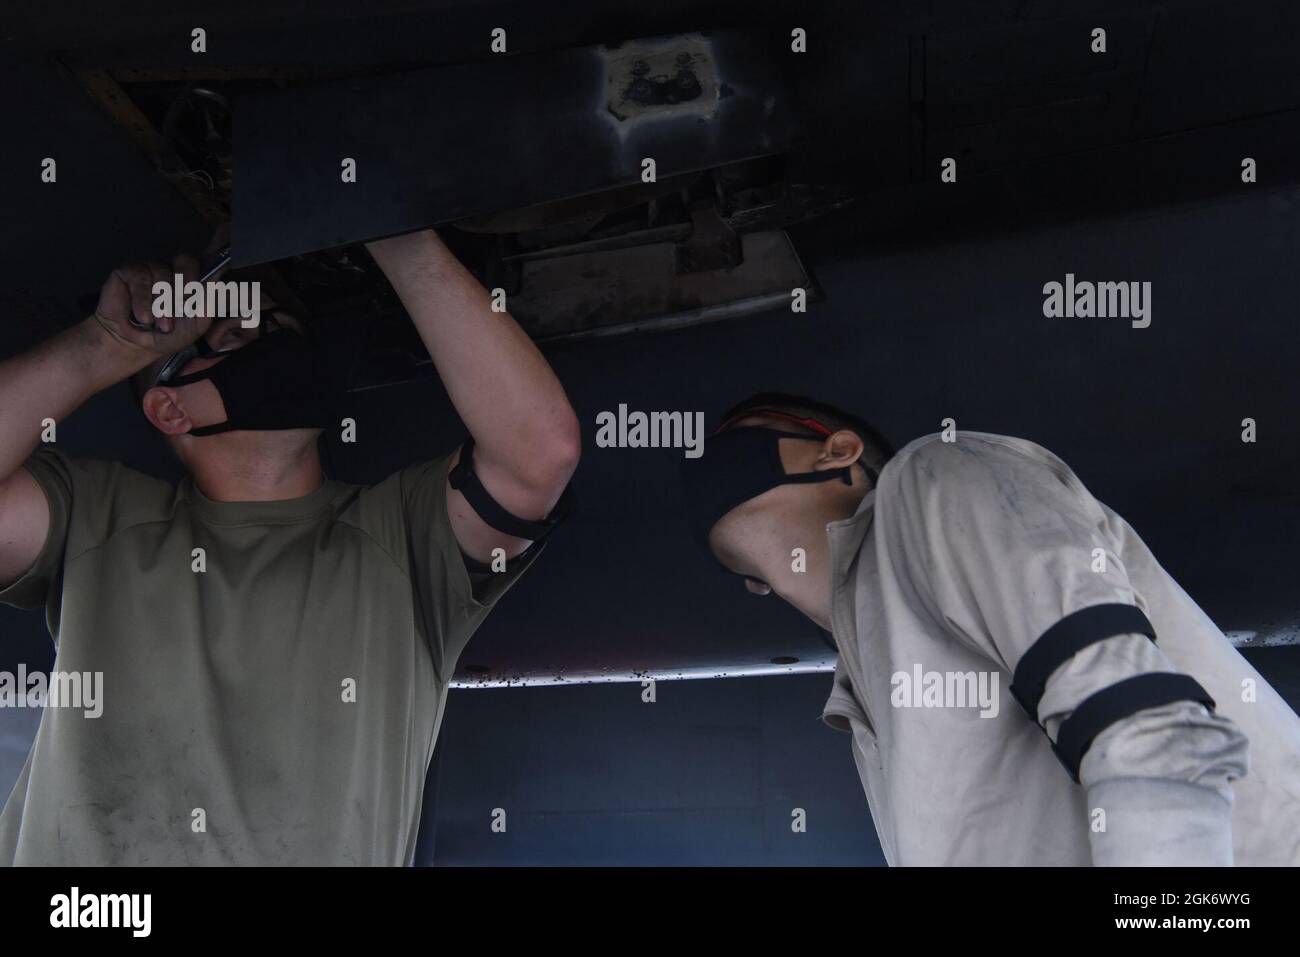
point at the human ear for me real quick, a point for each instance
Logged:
(757, 587)
(162, 407)
(840, 450)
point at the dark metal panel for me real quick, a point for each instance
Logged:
(707, 775)
(437, 145)
(576, 296)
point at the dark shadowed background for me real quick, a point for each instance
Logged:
(931, 311)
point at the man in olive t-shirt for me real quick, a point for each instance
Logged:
(274, 646)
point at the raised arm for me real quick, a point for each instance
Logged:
(53, 379)
(526, 436)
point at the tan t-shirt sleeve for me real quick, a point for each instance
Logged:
(42, 583)
(450, 604)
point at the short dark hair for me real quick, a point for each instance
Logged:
(876, 450)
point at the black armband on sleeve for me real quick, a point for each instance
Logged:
(1123, 699)
(464, 480)
(1103, 708)
(1067, 638)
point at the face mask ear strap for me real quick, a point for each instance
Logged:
(845, 473)
(219, 427)
(191, 378)
(801, 478)
(199, 377)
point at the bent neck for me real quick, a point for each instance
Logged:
(810, 591)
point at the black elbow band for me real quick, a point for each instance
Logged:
(1067, 638)
(1100, 710)
(464, 480)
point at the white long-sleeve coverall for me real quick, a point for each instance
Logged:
(950, 577)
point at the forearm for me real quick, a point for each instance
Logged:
(501, 385)
(1152, 822)
(1163, 780)
(51, 381)
(1160, 778)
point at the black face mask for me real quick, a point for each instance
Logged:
(277, 381)
(737, 465)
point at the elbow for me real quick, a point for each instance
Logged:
(554, 453)
(564, 448)
(1180, 741)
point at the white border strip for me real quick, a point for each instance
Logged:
(763, 670)
(1283, 637)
